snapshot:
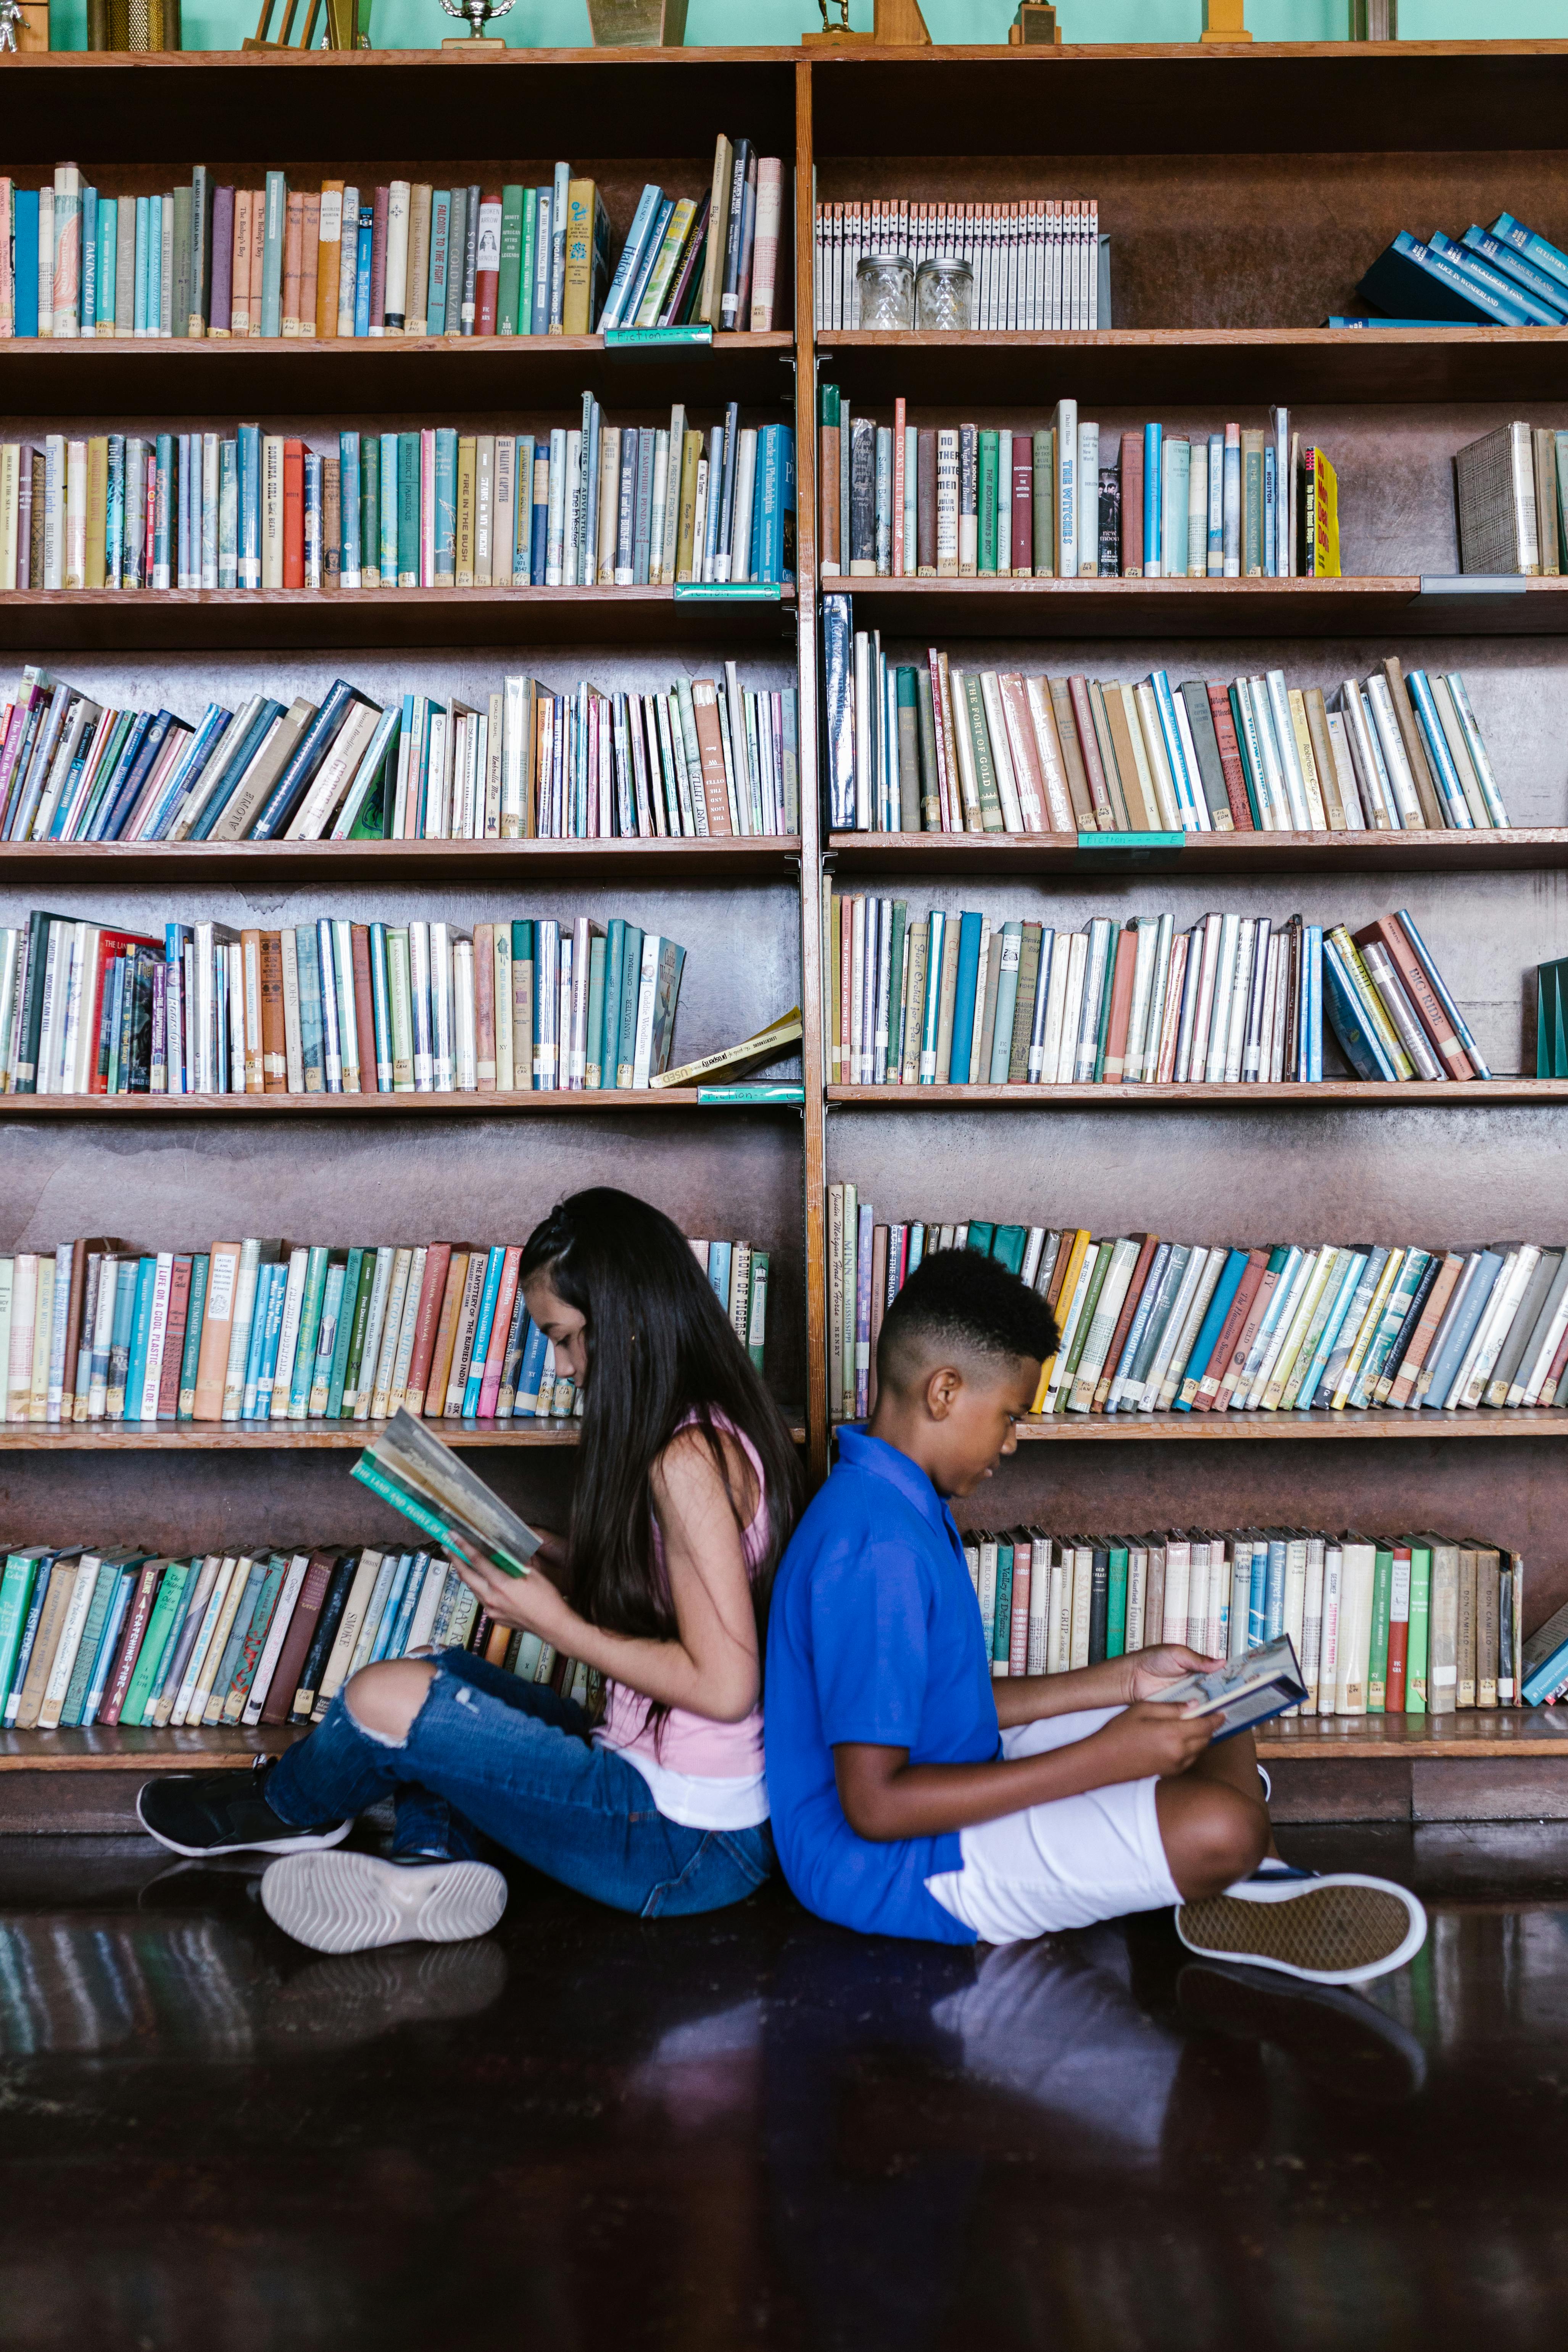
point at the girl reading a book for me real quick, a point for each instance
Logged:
(688, 1488)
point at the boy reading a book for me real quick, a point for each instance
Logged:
(913, 1796)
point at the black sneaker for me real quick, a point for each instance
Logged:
(204, 1813)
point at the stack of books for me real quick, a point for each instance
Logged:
(954, 1000)
(264, 1330)
(1505, 276)
(335, 1007)
(601, 506)
(707, 756)
(1151, 1326)
(1067, 501)
(944, 750)
(1038, 266)
(1412, 1626)
(214, 260)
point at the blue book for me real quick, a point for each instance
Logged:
(1363, 321)
(718, 1256)
(307, 959)
(440, 230)
(265, 1276)
(417, 1572)
(342, 1339)
(380, 1011)
(1189, 789)
(387, 535)
(248, 467)
(142, 250)
(1493, 282)
(112, 813)
(109, 1641)
(1154, 471)
(394, 1601)
(526, 1407)
(1274, 1589)
(1546, 257)
(363, 271)
(616, 311)
(1440, 989)
(1257, 1594)
(1350, 1275)
(164, 508)
(1270, 509)
(238, 760)
(108, 258)
(88, 291)
(1511, 267)
(446, 505)
(127, 1275)
(787, 503)
(140, 1335)
(308, 755)
(1439, 758)
(645, 269)
(1462, 1329)
(1408, 276)
(968, 969)
(1312, 986)
(1364, 1048)
(475, 1379)
(615, 985)
(349, 554)
(24, 234)
(209, 733)
(541, 539)
(1203, 1346)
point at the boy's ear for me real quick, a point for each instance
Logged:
(941, 1391)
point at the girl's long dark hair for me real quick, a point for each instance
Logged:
(659, 1347)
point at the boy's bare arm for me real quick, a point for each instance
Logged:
(1030, 1698)
(884, 1796)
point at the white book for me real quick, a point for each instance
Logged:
(1088, 501)
(375, 1391)
(276, 1635)
(69, 1643)
(357, 1401)
(1178, 1577)
(407, 1334)
(1299, 1283)
(195, 1664)
(1406, 801)
(239, 1328)
(1358, 1566)
(1058, 1621)
(1176, 1321)
(1329, 1637)
(1082, 1603)
(430, 1601)
(374, 1610)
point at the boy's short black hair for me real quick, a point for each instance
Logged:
(957, 1299)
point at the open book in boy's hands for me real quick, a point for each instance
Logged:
(411, 1468)
(1245, 1690)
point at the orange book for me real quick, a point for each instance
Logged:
(484, 1005)
(497, 1643)
(446, 1335)
(274, 1056)
(329, 256)
(364, 1015)
(240, 278)
(1398, 1632)
(293, 514)
(1121, 1006)
(432, 1291)
(217, 1318)
(293, 255)
(309, 250)
(710, 743)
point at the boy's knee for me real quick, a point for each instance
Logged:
(384, 1699)
(1216, 1838)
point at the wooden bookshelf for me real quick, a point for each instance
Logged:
(272, 1436)
(1188, 609)
(542, 1102)
(1540, 849)
(273, 864)
(1347, 1093)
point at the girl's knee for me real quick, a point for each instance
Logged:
(383, 1700)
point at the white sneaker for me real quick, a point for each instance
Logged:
(347, 1902)
(1341, 1928)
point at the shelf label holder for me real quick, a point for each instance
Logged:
(1451, 585)
(652, 342)
(1117, 851)
(728, 592)
(782, 1094)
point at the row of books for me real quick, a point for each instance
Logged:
(603, 505)
(1066, 502)
(1505, 276)
(403, 259)
(944, 750)
(335, 1007)
(247, 1637)
(1405, 1625)
(1152, 1326)
(947, 999)
(1036, 264)
(1511, 489)
(260, 1331)
(707, 756)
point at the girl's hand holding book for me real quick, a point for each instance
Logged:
(532, 1602)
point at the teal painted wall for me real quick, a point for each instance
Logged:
(550, 23)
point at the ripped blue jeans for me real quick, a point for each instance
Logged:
(511, 1762)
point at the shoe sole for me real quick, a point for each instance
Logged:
(1341, 1930)
(357, 1903)
(306, 1842)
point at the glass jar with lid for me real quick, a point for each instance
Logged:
(884, 284)
(945, 297)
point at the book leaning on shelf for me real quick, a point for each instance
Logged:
(1413, 1624)
(596, 506)
(403, 259)
(336, 1007)
(940, 748)
(259, 1330)
(948, 999)
(709, 756)
(1505, 276)
(1151, 1326)
(1510, 488)
(960, 502)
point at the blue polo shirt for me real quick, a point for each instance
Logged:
(873, 1636)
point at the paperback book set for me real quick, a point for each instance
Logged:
(1069, 501)
(1149, 1326)
(335, 1007)
(942, 750)
(599, 506)
(255, 1331)
(213, 260)
(1037, 265)
(707, 756)
(951, 999)
(1412, 1626)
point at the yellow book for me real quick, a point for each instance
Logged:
(582, 204)
(467, 468)
(1304, 753)
(675, 238)
(1077, 1252)
(686, 545)
(329, 257)
(1323, 542)
(96, 509)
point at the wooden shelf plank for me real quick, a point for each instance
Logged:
(268, 863)
(401, 373)
(1391, 606)
(1241, 1428)
(270, 1437)
(542, 1103)
(1349, 1093)
(1519, 849)
(1129, 366)
(83, 621)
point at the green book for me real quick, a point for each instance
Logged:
(180, 308)
(1252, 508)
(104, 1592)
(343, 1339)
(1377, 1656)
(1112, 943)
(1248, 777)
(192, 1349)
(310, 1324)
(631, 987)
(930, 786)
(757, 1306)
(594, 1055)
(909, 787)
(895, 985)
(524, 1012)
(357, 1336)
(980, 1238)
(1103, 1256)
(991, 817)
(1001, 1620)
(1008, 1246)
(615, 976)
(510, 287)
(15, 1600)
(828, 404)
(1045, 504)
(985, 493)
(1417, 1647)
(217, 1690)
(248, 1656)
(525, 275)
(370, 509)
(167, 1610)
(1116, 1603)
(407, 510)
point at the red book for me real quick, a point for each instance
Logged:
(296, 1641)
(1133, 506)
(174, 1339)
(378, 262)
(437, 1259)
(364, 1017)
(1230, 1374)
(1088, 747)
(110, 945)
(487, 266)
(136, 1618)
(1230, 1331)
(1121, 1006)
(1022, 512)
(1398, 1632)
(293, 514)
(1230, 758)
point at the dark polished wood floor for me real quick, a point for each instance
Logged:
(752, 2130)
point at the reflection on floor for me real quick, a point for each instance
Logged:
(756, 2131)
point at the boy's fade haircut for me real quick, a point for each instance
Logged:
(958, 1301)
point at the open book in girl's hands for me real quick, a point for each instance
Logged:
(409, 1468)
(1245, 1690)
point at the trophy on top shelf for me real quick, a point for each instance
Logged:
(896, 23)
(477, 14)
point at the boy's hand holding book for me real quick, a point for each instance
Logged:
(1151, 1672)
(1148, 1740)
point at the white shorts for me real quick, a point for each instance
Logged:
(1062, 1865)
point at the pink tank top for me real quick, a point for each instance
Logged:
(693, 1748)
